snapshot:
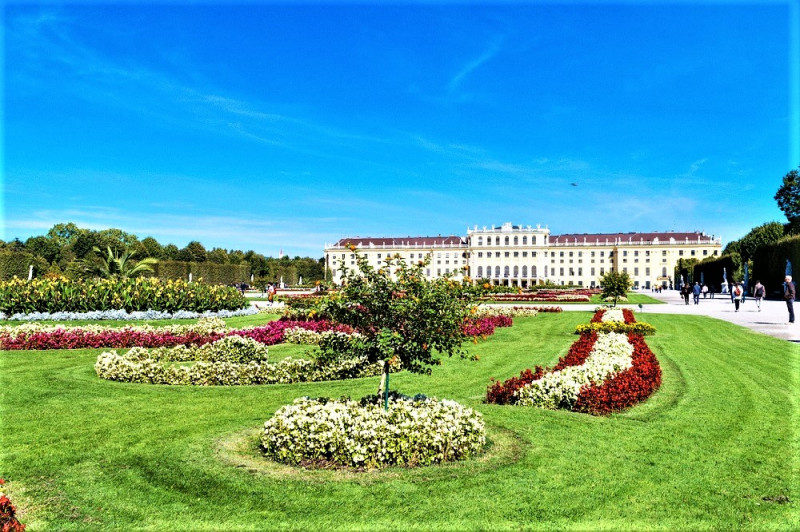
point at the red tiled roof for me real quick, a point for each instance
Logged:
(595, 238)
(365, 241)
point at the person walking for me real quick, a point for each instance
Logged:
(705, 291)
(789, 293)
(758, 294)
(685, 291)
(696, 291)
(737, 295)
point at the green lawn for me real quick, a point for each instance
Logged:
(634, 298)
(715, 448)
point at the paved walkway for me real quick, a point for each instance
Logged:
(772, 319)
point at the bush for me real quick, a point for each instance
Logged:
(139, 294)
(413, 431)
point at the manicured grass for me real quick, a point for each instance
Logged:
(715, 448)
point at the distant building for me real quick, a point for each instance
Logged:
(523, 256)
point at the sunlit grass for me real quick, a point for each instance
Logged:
(715, 448)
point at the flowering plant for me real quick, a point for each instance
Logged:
(8, 518)
(413, 431)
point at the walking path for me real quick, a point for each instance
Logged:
(772, 319)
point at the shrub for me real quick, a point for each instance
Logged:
(413, 431)
(139, 294)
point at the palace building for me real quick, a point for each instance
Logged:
(524, 256)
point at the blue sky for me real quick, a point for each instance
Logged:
(271, 126)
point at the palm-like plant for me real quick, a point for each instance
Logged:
(111, 265)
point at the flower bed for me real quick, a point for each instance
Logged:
(8, 518)
(38, 337)
(483, 327)
(615, 320)
(65, 295)
(575, 298)
(414, 431)
(123, 315)
(231, 361)
(602, 373)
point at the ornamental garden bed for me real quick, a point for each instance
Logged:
(604, 371)
(411, 431)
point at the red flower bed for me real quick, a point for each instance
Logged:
(618, 393)
(502, 393)
(475, 327)
(536, 297)
(542, 309)
(8, 519)
(628, 387)
(627, 315)
(269, 334)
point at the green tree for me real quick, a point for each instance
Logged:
(763, 235)
(63, 234)
(152, 248)
(193, 252)
(616, 285)
(171, 252)
(788, 198)
(44, 247)
(217, 256)
(111, 265)
(403, 316)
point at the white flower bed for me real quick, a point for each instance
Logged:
(613, 314)
(298, 335)
(611, 354)
(411, 432)
(231, 361)
(124, 315)
(484, 311)
(204, 326)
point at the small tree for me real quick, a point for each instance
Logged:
(615, 284)
(403, 316)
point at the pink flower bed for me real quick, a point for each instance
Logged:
(475, 327)
(76, 338)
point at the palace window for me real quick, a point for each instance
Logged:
(480, 272)
(524, 240)
(497, 269)
(516, 271)
(524, 271)
(506, 241)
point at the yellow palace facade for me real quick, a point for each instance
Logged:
(523, 256)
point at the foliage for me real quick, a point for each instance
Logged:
(114, 266)
(763, 235)
(62, 294)
(401, 314)
(640, 328)
(17, 264)
(413, 431)
(788, 198)
(615, 285)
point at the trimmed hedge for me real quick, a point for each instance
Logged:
(210, 272)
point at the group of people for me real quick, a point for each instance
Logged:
(736, 290)
(739, 294)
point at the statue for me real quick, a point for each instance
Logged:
(724, 281)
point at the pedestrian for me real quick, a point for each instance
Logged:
(271, 293)
(696, 291)
(685, 291)
(705, 291)
(758, 293)
(711, 289)
(789, 293)
(737, 295)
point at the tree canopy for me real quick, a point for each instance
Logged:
(788, 198)
(616, 285)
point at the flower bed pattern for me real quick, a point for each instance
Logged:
(123, 315)
(414, 431)
(230, 361)
(615, 320)
(602, 373)
(38, 337)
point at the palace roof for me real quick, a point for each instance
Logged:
(412, 241)
(602, 238)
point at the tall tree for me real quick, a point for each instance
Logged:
(616, 285)
(788, 198)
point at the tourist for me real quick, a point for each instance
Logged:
(685, 291)
(758, 294)
(705, 291)
(696, 291)
(789, 293)
(736, 294)
(711, 290)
